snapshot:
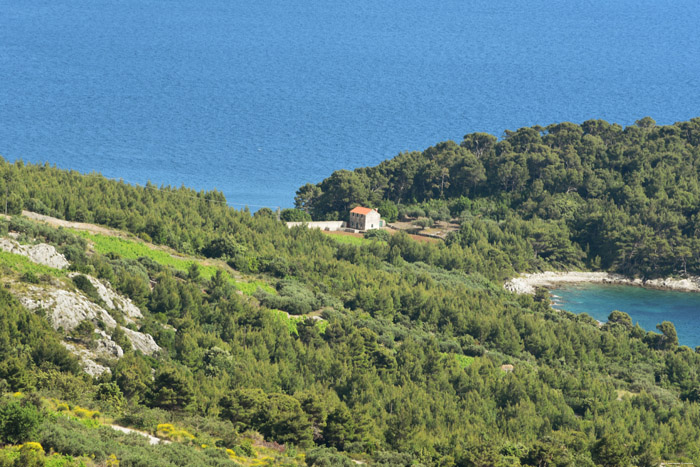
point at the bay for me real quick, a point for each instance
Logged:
(647, 307)
(257, 98)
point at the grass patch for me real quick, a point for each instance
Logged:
(22, 265)
(349, 239)
(249, 288)
(292, 321)
(464, 360)
(134, 250)
(131, 249)
(321, 325)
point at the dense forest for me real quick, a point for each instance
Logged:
(594, 195)
(420, 356)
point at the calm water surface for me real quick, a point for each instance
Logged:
(257, 98)
(646, 307)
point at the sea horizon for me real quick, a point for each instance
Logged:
(257, 100)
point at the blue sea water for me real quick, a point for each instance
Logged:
(646, 307)
(257, 98)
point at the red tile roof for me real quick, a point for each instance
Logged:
(361, 210)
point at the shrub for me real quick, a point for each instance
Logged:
(167, 430)
(30, 278)
(18, 423)
(85, 331)
(222, 247)
(85, 413)
(31, 455)
(119, 338)
(327, 457)
(292, 297)
(411, 212)
(424, 222)
(388, 210)
(295, 215)
(377, 234)
(440, 214)
(84, 285)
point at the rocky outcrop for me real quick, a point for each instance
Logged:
(86, 358)
(105, 347)
(140, 341)
(40, 253)
(114, 300)
(66, 310)
(528, 283)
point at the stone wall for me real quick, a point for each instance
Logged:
(323, 225)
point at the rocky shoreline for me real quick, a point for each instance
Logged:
(528, 283)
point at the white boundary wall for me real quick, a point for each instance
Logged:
(322, 225)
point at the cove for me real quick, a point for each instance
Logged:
(648, 307)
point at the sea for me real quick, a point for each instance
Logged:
(647, 307)
(256, 98)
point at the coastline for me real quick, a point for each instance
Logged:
(528, 283)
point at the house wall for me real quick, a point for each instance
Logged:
(357, 221)
(372, 221)
(323, 225)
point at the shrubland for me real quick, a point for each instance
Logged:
(405, 366)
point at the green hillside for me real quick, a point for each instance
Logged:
(404, 365)
(594, 195)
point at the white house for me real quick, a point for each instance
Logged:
(364, 219)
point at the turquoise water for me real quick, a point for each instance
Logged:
(646, 307)
(257, 98)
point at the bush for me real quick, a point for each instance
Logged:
(388, 210)
(293, 298)
(85, 332)
(31, 455)
(84, 285)
(295, 215)
(411, 212)
(222, 247)
(424, 222)
(377, 234)
(18, 423)
(327, 457)
(30, 278)
(440, 214)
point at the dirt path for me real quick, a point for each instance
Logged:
(73, 225)
(151, 439)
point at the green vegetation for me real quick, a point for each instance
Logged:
(31, 271)
(405, 368)
(348, 239)
(594, 195)
(132, 249)
(464, 360)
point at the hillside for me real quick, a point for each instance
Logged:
(594, 196)
(421, 356)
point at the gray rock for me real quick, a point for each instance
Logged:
(106, 347)
(143, 342)
(114, 300)
(87, 363)
(65, 309)
(40, 253)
